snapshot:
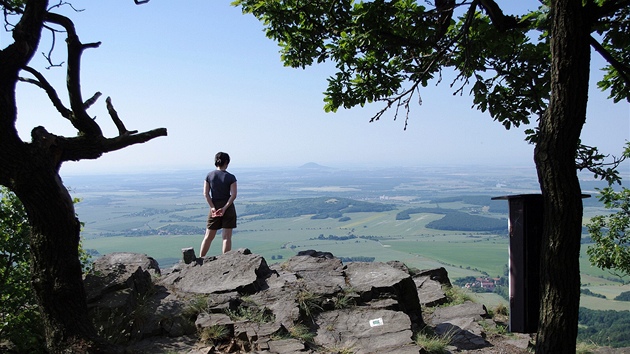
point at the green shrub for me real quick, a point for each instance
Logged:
(250, 313)
(20, 322)
(196, 305)
(456, 295)
(433, 343)
(213, 334)
(308, 302)
(302, 332)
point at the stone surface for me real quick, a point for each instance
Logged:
(466, 310)
(188, 255)
(374, 281)
(233, 271)
(430, 291)
(118, 271)
(119, 290)
(358, 307)
(321, 274)
(364, 330)
(281, 302)
(462, 323)
(437, 274)
(286, 346)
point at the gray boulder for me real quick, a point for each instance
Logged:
(163, 314)
(118, 290)
(286, 346)
(430, 291)
(468, 309)
(429, 284)
(359, 307)
(462, 322)
(320, 274)
(365, 331)
(377, 281)
(238, 270)
(282, 304)
(119, 271)
(439, 275)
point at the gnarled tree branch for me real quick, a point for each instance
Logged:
(114, 115)
(79, 118)
(50, 90)
(81, 148)
(90, 142)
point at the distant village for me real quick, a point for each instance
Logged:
(486, 284)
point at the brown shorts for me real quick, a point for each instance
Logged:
(227, 221)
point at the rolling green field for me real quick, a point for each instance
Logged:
(462, 254)
(144, 215)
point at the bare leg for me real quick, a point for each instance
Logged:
(227, 240)
(207, 240)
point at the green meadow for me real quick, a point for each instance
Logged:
(146, 214)
(461, 253)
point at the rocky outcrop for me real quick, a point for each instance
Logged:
(242, 272)
(429, 284)
(235, 302)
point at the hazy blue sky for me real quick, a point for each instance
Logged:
(209, 75)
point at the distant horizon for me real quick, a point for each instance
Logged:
(450, 168)
(78, 171)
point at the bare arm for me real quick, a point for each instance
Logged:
(233, 192)
(206, 194)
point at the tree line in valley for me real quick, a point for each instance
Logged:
(457, 220)
(319, 208)
(604, 328)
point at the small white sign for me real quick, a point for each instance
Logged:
(376, 322)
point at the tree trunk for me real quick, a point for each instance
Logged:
(55, 267)
(31, 171)
(554, 155)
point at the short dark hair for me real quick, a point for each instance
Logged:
(221, 158)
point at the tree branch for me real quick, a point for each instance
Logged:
(444, 10)
(404, 98)
(622, 69)
(589, 158)
(499, 20)
(62, 149)
(123, 141)
(52, 93)
(608, 9)
(10, 7)
(26, 35)
(79, 117)
(92, 100)
(119, 124)
(90, 142)
(81, 148)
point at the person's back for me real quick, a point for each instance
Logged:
(220, 182)
(220, 190)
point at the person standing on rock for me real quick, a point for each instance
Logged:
(220, 190)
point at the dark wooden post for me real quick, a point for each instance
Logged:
(525, 225)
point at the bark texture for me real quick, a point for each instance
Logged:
(31, 171)
(555, 151)
(55, 267)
